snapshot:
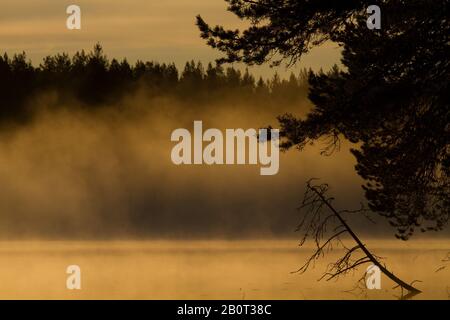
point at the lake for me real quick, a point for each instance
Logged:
(216, 269)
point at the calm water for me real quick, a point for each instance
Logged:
(206, 270)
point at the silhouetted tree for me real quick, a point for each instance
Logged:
(391, 99)
(214, 77)
(17, 85)
(248, 82)
(329, 230)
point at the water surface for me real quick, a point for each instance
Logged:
(206, 270)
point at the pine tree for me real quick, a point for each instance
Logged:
(391, 100)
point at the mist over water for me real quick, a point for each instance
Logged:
(108, 174)
(240, 270)
(88, 183)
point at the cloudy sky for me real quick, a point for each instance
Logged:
(164, 31)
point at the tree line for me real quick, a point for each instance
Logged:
(93, 80)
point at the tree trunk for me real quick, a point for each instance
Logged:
(412, 291)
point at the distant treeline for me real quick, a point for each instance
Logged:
(93, 80)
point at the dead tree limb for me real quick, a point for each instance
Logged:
(315, 224)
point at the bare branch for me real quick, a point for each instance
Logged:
(319, 216)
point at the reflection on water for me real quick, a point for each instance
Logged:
(206, 270)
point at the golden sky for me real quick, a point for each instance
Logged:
(158, 30)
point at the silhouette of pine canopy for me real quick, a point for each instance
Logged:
(391, 99)
(94, 81)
